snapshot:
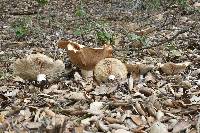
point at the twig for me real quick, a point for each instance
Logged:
(24, 13)
(166, 40)
(161, 42)
(73, 112)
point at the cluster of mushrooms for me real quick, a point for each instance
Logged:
(94, 63)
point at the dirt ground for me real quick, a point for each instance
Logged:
(159, 100)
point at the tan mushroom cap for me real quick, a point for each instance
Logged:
(110, 66)
(171, 68)
(84, 57)
(30, 66)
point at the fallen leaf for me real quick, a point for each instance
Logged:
(139, 109)
(2, 119)
(118, 126)
(158, 127)
(195, 99)
(159, 115)
(150, 78)
(77, 76)
(112, 120)
(121, 131)
(102, 126)
(130, 83)
(95, 108)
(49, 112)
(104, 89)
(196, 5)
(137, 119)
(25, 113)
(181, 126)
(75, 96)
(78, 129)
(33, 125)
(145, 31)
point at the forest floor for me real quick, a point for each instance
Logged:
(160, 101)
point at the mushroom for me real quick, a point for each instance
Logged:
(38, 67)
(85, 58)
(138, 69)
(173, 68)
(110, 68)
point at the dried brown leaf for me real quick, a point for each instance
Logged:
(2, 119)
(118, 126)
(181, 126)
(150, 78)
(79, 129)
(137, 119)
(75, 96)
(96, 108)
(49, 112)
(151, 109)
(139, 109)
(112, 120)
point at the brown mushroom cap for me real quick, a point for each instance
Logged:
(138, 69)
(84, 57)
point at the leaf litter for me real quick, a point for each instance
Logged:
(160, 93)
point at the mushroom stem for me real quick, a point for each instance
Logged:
(87, 74)
(41, 77)
(130, 83)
